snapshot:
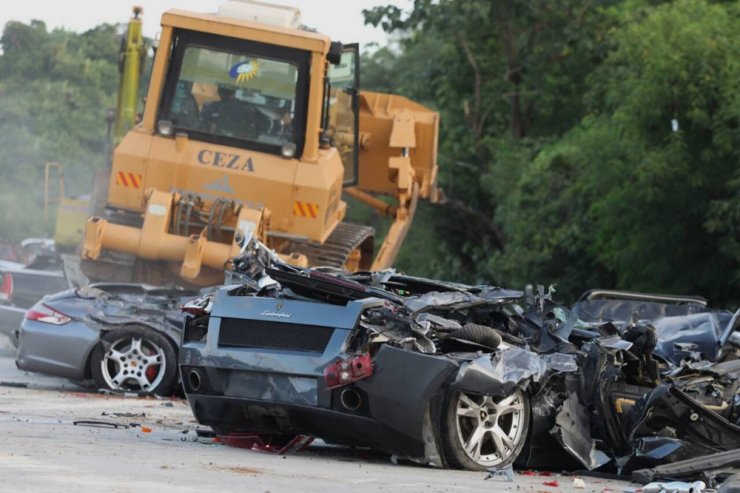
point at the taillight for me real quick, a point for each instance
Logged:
(44, 314)
(6, 287)
(344, 372)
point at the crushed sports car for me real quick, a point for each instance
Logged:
(119, 337)
(472, 377)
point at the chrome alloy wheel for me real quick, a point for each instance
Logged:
(490, 428)
(134, 364)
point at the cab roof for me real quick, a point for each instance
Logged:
(240, 29)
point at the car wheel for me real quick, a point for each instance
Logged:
(482, 431)
(135, 359)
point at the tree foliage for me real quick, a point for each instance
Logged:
(559, 152)
(55, 88)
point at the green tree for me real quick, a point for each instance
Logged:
(507, 77)
(558, 149)
(55, 88)
(644, 192)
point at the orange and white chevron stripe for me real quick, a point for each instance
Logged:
(305, 209)
(130, 180)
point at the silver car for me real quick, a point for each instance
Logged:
(123, 337)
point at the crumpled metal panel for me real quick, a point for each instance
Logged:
(696, 335)
(500, 373)
(614, 342)
(657, 448)
(461, 299)
(560, 362)
(441, 299)
(572, 431)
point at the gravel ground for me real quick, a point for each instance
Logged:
(156, 448)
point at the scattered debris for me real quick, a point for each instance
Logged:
(572, 432)
(579, 484)
(146, 429)
(16, 385)
(504, 473)
(99, 424)
(204, 433)
(267, 443)
(124, 415)
(552, 483)
(675, 487)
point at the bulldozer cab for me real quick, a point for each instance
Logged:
(237, 93)
(254, 96)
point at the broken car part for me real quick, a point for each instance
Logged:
(689, 468)
(471, 377)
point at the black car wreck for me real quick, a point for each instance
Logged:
(470, 377)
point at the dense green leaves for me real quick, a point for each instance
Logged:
(559, 150)
(55, 88)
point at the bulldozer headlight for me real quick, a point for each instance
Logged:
(288, 150)
(165, 128)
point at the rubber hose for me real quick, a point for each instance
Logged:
(479, 334)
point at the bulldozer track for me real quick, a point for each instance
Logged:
(346, 238)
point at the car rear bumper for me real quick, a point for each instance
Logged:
(59, 350)
(257, 416)
(399, 408)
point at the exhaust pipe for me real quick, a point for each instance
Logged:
(351, 400)
(195, 380)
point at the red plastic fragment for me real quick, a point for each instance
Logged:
(242, 440)
(553, 483)
(263, 443)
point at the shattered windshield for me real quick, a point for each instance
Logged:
(240, 94)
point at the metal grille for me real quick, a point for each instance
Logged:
(239, 332)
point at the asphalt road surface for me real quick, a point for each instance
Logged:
(155, 448)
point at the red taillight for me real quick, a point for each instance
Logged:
(6, 288)
(344, 372)
(44, 314)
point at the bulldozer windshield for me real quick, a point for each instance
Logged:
(236, 92)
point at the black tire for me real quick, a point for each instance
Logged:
(479, 334)
(150, 367)
(457, 429)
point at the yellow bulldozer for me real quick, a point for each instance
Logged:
(255, 125)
